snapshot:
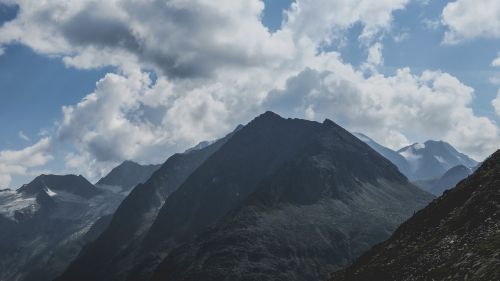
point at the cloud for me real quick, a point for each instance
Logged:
(401, 37)
(496, 103)
(496, 62)
(177, 38)
(431, 24)
(470, 19)
(374, 58)
(325, 21)
(23, 136)
(19, 162)
(187, 71)
(390, 108)
(132, 117)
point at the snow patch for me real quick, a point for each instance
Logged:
(409, 155)
(11, 202)
(419, 146)
(440, 159)
(50, 192)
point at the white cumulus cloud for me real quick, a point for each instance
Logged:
(191, 70)
(496, 62)
(470, 19)
(18, 162)
(496, 103)
(390, 108)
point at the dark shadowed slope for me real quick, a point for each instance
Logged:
(111, 256)
(457, 237)
(327, 199)
(127, 175)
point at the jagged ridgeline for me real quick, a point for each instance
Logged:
(45, 223)
(279, 199)
(456, 237)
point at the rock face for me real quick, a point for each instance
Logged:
(45, 223)
(273, 197)
(127, 175)
(113, 253)
(456, 237)
(448, 180)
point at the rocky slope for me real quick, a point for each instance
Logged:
(456, 237)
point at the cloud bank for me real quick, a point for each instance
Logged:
(470, 19)
(188, 71)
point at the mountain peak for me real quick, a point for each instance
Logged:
(329, 122)
(432, 159)
(280, 181)
(129, 163)
(128, 174)
(268, 115)
(77, 185)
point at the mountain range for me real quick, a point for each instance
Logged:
(46, 222)
(434, 166)
(276, 199)
(275, 194)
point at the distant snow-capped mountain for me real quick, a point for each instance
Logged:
(45, 223)
(422, 161)
(432, 159)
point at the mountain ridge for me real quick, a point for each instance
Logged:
(456, 237)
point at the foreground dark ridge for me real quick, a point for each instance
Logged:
(457, 237)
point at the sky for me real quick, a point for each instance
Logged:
(85, 85)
